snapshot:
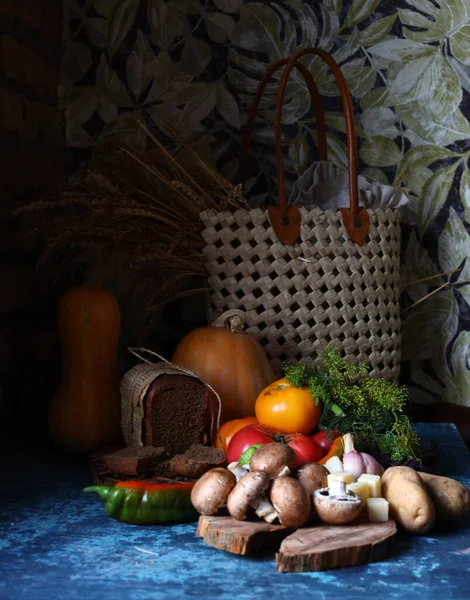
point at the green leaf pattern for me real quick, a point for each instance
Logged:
(434, 196)
(120, 24)
(407, 64)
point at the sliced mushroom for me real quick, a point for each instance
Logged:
(211, 490)
(336, 505)
(250, 493)
(290, 501)
(274, 458)
(312, 476)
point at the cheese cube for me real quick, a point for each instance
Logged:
(373, 481)
(377, 509)
(345, 477)
(361, 488)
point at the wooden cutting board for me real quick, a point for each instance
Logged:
(315, 548)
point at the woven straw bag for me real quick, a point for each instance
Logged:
(308, 278)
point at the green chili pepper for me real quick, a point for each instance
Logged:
(141, 503)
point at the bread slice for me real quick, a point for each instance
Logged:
(133, 460)
(197, 460)
(176, 409)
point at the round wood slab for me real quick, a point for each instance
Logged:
(315, 548)
(330, 546)
(240, 537)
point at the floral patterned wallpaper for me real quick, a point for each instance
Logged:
(408, 68)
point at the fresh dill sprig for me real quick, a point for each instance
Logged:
(353, 402)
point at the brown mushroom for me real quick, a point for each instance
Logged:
(250, 493)
(274, 458)
(290, 501)
(211, 490)
(336, 505)
(312, 476)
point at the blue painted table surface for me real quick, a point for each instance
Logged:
(56, 543)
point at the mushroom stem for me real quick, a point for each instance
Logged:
(238, 470)
(284, 472)
(247, 493)
(337, 488)
(264, 509)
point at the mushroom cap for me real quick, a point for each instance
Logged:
(291, 501)
(211, 490)
(312, 476)
(250, 487)
(272, 458)
(337, 509)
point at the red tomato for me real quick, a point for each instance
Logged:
(323, 440)
(246, 437)
(228, 429)
(305, 448)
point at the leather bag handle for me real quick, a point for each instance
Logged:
(286, 220)
(316, 101)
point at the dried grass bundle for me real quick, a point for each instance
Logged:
(131, 221)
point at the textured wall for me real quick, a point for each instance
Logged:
(31, 162)
(408, 67)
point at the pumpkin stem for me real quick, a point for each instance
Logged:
(233, 319)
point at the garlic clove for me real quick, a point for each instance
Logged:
(334, 465)
(353, 463)
(373, 467)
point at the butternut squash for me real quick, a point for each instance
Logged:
(85, 412)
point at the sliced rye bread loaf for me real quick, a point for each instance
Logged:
(197, 460)
(176, 412)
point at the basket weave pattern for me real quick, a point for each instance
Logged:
(324, 289)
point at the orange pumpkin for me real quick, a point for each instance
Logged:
(85, 412)
(229, 360)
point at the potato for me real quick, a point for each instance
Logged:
(409, 502)
(451, 499)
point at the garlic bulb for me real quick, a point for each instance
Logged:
(358, 463)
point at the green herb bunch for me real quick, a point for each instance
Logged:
(353, 402)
